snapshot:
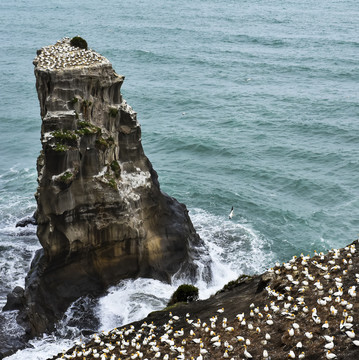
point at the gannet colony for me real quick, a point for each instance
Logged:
(307, 309)
(62, 55)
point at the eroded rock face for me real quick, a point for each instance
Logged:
(101, 214)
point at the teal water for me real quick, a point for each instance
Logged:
(250, 104)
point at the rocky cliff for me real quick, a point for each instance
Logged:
(306, 308)
(101, 214)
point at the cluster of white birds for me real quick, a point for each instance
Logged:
(62, 55)
(307, 309)
(321, 292)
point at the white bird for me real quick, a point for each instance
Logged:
(329, 345)
(217, 343)
(329, 355)
(231, 213)
(246, 353)
(202, 350)
(328, 338)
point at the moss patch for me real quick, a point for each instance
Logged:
(184, 293)
(61, 148)
(103, 143)
(86, 103)
(234, 283)
(115, 167)
(74, 100)
(66, 177)
(111, 181)
(64, 135)
(86, 128)
(79, 42)
(64, 139)
(113, 112)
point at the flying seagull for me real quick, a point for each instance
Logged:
(231, 213)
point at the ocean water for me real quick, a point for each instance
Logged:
(251, 104)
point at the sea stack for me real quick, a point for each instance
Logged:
(101, 214)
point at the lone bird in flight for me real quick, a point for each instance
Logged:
(231, 213)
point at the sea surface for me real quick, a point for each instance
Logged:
(251, 104)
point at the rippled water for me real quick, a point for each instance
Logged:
(250, 104)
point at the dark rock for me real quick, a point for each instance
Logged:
(29, 220)
(10, 345)
(15, 300)
(100, 212)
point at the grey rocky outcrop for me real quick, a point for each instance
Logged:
(101, 214)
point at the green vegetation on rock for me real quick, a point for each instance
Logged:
(184, 293)
(61, 148)
(66, 176)
(64, 135)
(85, 128)
(86, 103)
(113, 112)
(102, 143)
(79, 42)
(111, 181)
(234, 283)
(115, 167)
(64, 139)
(74, 100)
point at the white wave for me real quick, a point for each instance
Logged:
(132, 300)
(43, 348)
(234, 246)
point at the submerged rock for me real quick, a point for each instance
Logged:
(100, 212)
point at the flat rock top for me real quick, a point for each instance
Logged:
(62, 56)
